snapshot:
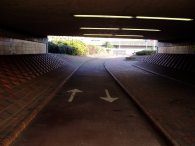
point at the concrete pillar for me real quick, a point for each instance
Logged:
(176, 48)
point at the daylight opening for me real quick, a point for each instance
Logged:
(101, 47)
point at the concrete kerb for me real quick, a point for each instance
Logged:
(27, 120)
(167, 137)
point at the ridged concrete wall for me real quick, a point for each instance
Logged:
(21, 43)
(176, 48)
(16, 46)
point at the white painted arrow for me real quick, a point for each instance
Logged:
(109, 98)
(74, 91)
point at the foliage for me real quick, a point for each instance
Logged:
(193, 48)
(95, 49)
(92, 49)
(108, 45)
(108, 50)
(54, 47)
(73, 47)
(100, 50)
(145, 52)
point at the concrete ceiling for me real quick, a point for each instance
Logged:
(55, 17)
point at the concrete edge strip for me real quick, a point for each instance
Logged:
(27, 120)
(164, 76)
(155, 123)
(23, 108)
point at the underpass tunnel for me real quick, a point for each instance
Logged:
(161, 86)
(171, 23)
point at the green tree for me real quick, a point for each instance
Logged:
(108, 45)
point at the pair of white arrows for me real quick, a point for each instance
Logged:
(107, 98)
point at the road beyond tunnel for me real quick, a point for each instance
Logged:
(90, 110)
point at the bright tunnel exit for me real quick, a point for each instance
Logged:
(101, 47)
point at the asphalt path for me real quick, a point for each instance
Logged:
(90, 110)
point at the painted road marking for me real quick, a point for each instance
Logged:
(109, 98)
(74, 91)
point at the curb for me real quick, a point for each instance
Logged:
(27, 120)
(166, 136)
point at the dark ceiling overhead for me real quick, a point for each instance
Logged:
(55, 17)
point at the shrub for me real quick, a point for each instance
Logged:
(108, 45)
(72, 47)
(145, 52)
(95, 49)
(100, 50)
(53, 48)
(92, 49)
(79, 48)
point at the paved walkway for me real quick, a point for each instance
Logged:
(90, 110)
(20, 103)
(179, 76)
(170, 104)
